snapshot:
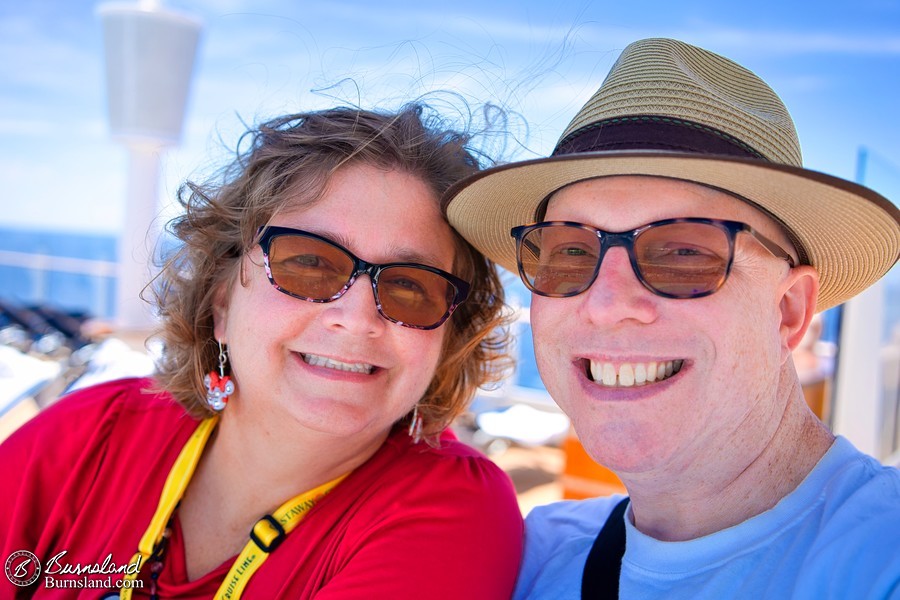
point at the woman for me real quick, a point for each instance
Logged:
(319, 321)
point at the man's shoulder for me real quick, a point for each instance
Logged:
(567, 528)
(558, 538)
(854, 546)
(861, 490)
(859, 483)
(573, 517)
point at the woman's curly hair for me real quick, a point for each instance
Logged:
(287, 161)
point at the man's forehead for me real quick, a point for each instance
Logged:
(648, 198)
(625, 202)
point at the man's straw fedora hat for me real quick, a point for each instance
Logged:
(670, 109)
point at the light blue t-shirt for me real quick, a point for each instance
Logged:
(836, 536)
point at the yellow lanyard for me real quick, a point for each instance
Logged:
(266, 535)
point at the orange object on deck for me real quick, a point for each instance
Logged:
(584, 478)
(816, 394)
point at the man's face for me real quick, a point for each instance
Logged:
(730, 346)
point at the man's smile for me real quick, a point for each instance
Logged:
(632, 374)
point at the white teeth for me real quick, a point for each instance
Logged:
(640, 374)
(632, 374)
(322, 361)
(609, 374)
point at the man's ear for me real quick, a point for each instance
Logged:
(799, 293)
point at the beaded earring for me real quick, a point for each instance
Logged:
(219, 385)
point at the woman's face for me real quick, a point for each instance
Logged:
(338, 368)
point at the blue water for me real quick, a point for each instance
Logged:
(71, 291)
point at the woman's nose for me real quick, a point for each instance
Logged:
(355, 311)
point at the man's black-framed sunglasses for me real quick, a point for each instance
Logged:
(313, 268)
(673, 258)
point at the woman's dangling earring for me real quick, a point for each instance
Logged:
(415, 426)
(218, 385)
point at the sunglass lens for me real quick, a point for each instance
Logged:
(559, 260)
(414, 296)
(683, 260)
(307, 267)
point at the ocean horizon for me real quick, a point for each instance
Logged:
(77, 292)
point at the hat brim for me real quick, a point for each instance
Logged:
(850, 234)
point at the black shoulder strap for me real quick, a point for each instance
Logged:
(601, 570)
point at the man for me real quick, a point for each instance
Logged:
(679, 255)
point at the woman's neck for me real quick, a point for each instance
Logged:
(262, 463)
(248, 469)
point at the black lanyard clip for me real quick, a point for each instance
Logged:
(267, 533)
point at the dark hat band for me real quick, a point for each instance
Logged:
(653, 133)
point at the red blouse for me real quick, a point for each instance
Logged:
(86, 474)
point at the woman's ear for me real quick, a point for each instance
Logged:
(220, 311)
(222, 298)
(799, 294)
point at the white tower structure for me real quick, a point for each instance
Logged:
(149, 63)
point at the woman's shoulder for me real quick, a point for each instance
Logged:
(133, 392)
(446, 513)
(95, 413)
(449, 460)
(450, 479)
(89, 446)
(449, 475)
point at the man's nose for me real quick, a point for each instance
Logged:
(617, 294)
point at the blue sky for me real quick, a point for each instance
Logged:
(836, 67)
